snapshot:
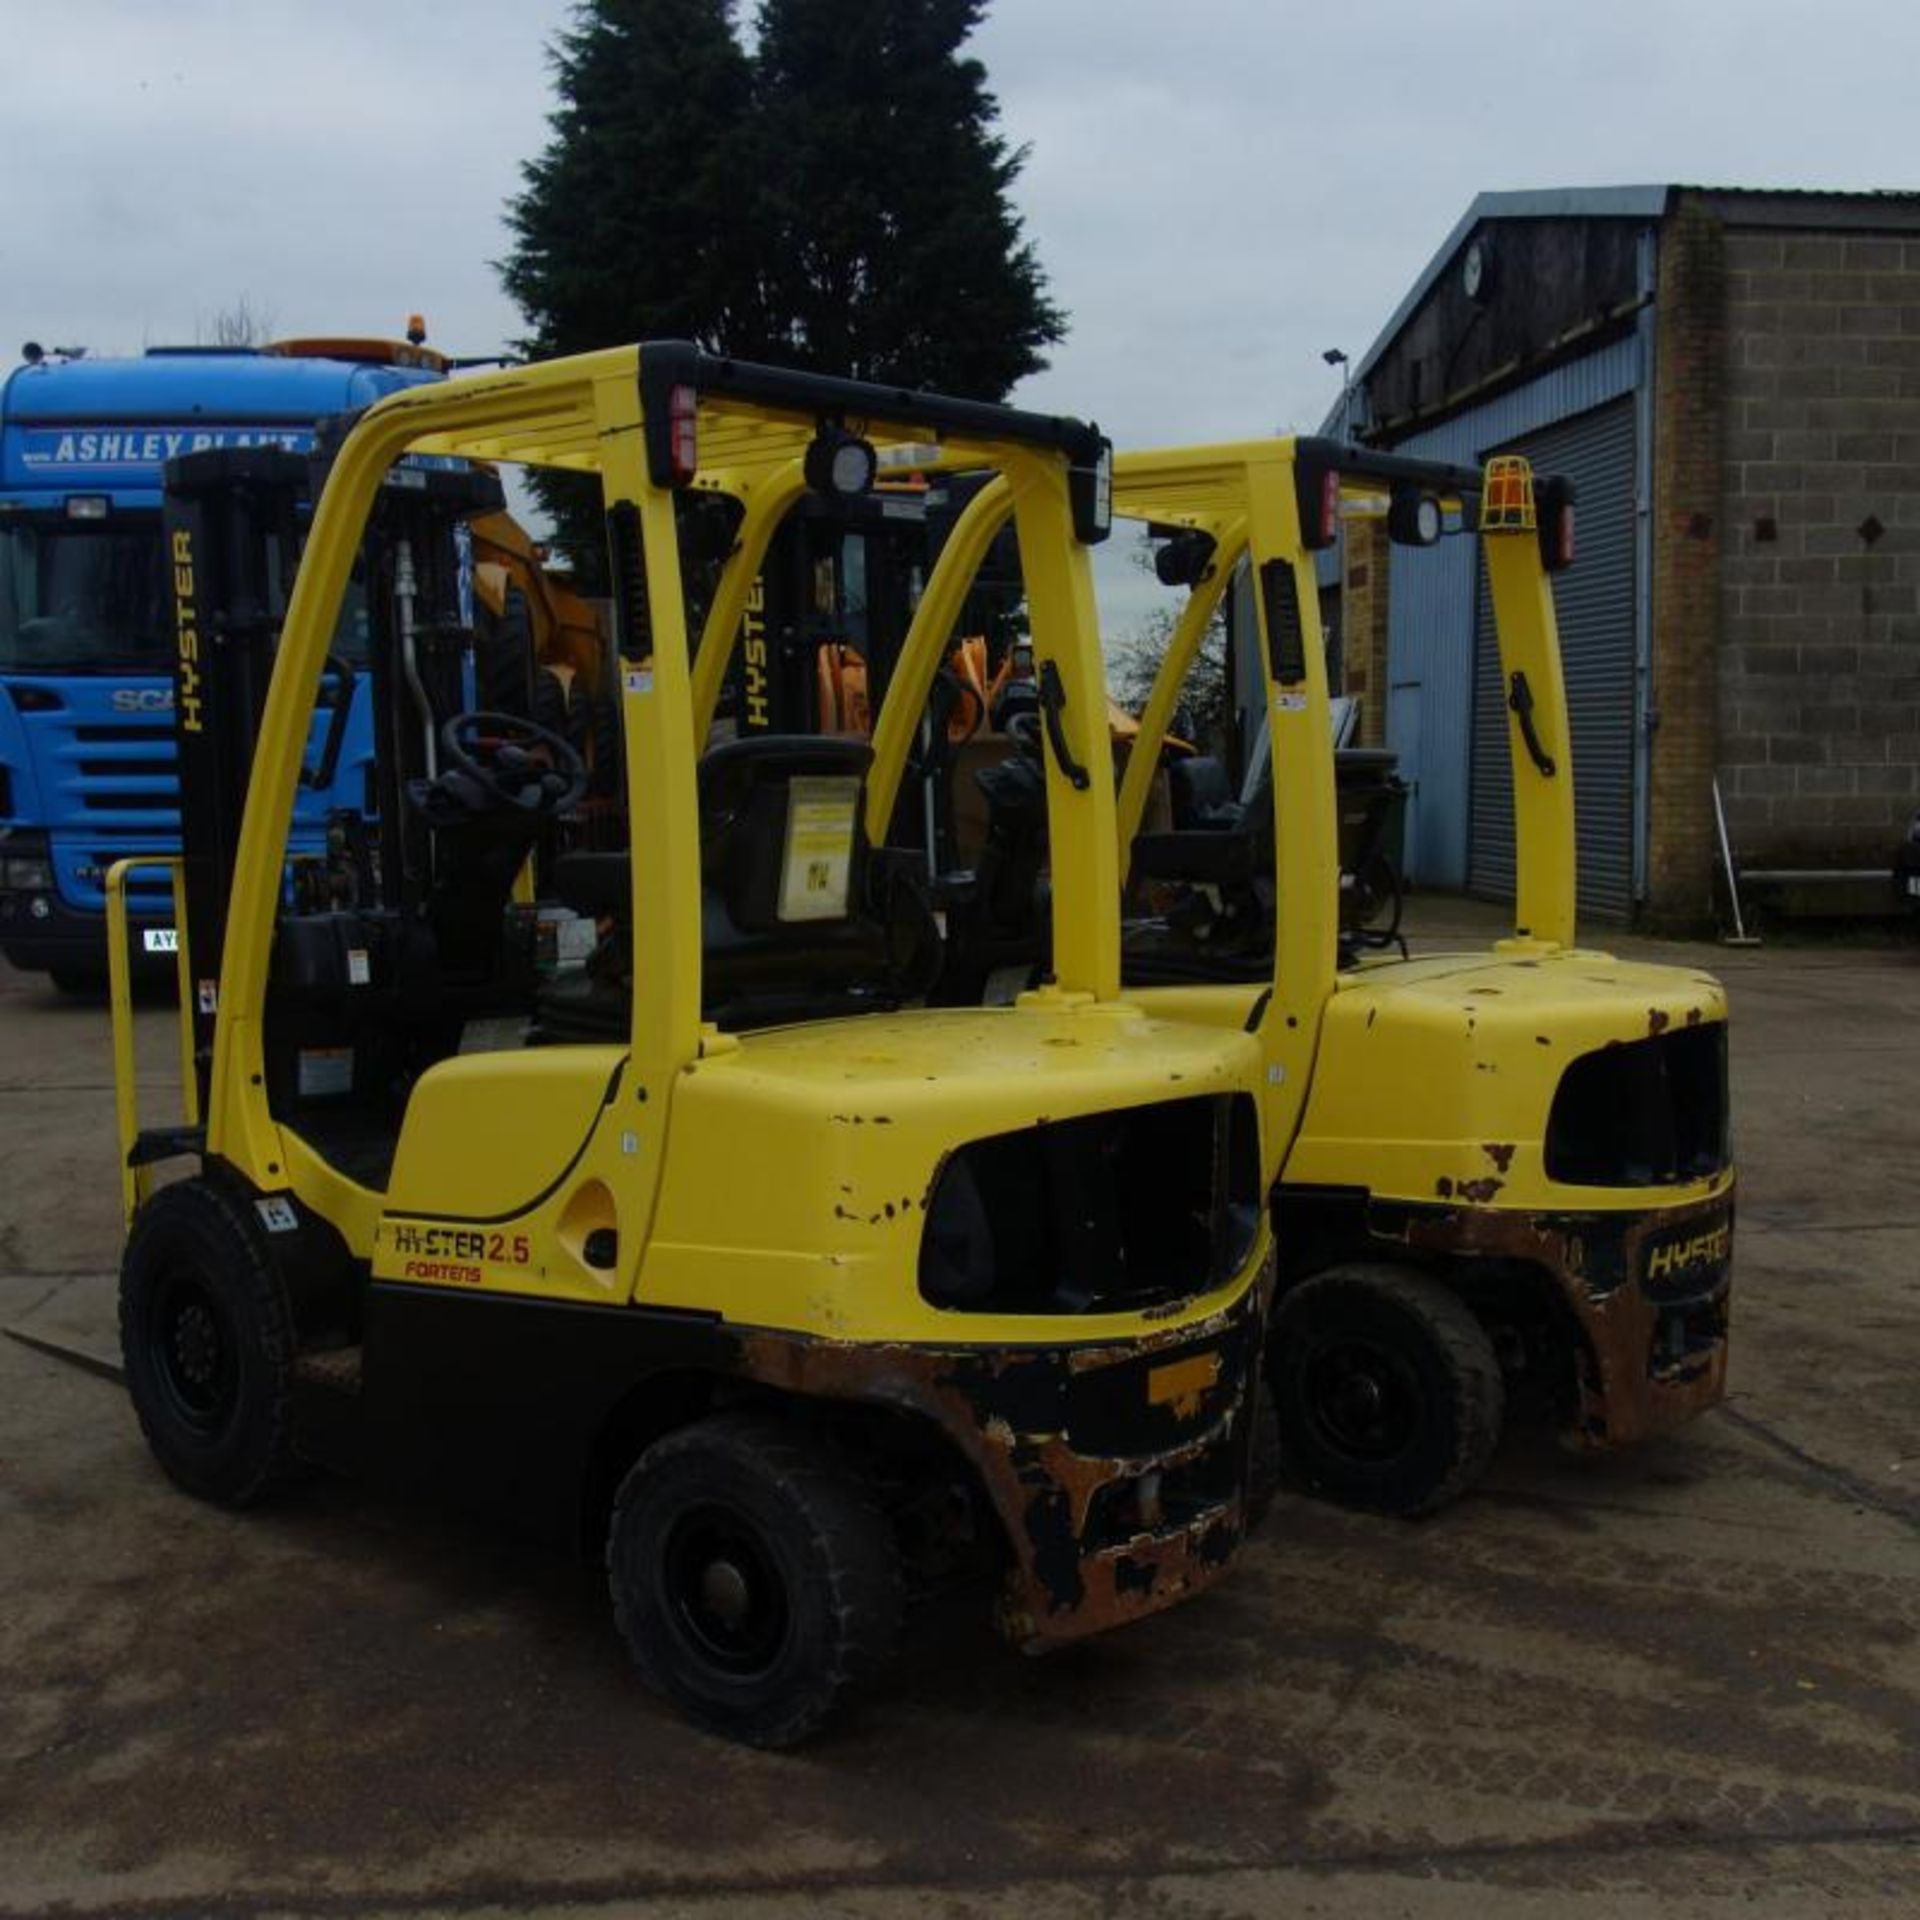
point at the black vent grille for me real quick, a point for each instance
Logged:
(1109, 1213)
(1645, 1113)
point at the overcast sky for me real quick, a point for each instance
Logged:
(1219, 189)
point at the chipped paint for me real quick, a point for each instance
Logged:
(1626, 1388)
(1055, 1434)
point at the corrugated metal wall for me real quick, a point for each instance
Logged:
(1594, 605)
(1430, 622)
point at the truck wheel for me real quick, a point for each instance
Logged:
(77, 983)
(1387, 1389)
(756, 1584)
(207, 1337)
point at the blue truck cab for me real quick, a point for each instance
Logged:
(87, 765)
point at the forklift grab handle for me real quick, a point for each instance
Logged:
(1520, 699)
(1053, 702)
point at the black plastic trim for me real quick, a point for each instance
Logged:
(666, 364)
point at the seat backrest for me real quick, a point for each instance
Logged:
(781, 838)
(789, 919)
(1201, 792)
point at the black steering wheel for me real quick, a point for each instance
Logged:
(1022, 727)
(516, 763)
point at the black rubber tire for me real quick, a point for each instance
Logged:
(559, 707)
(604, 740)
(76, 983)
(206, 1335)
(1266, 1462)
(814, 1558)
(503, 659)
(1387, 1389)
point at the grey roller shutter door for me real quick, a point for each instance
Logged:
(1594, 601)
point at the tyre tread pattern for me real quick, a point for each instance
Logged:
(859, 1570)
(1478, 1389)
(200, 1206)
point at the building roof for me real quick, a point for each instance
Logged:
(1744, 206)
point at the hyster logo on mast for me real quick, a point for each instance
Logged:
(186, 634)
(753, 635)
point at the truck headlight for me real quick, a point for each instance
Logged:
(26, 874)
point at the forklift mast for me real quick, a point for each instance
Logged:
(231, 522)
(235, 522)
(838, 574)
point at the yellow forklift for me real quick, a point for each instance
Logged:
(787, 1294)
(1503, 1174)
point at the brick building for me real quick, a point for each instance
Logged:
(1733, 380)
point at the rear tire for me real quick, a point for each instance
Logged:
(1266, 1460)
(1388, 1392)
(503, 658)
(78, 984)
(755, 1582)
(206, 1334)
(559, 706)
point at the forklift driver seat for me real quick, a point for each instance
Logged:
(800, 916)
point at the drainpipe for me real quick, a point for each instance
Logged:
(1646, 717)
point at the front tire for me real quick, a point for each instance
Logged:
(755, 1582)
(1387, 1388)
(206, 1334)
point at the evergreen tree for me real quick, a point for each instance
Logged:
(840, 200)
(890, 249)
(626, 229)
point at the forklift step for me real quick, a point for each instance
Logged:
(335, 1368)
(165, 1143)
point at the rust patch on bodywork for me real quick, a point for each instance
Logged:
(1500, 1152)
(1647, 1290)
(1117, 1471)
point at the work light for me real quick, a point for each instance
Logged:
(1090, 496)
(1414, 519)
(840, 463)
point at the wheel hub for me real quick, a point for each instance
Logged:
(724, 1590)
(1361, 1401)
(196, 1345)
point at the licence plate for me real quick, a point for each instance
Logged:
(160, 940)
(1913, 886)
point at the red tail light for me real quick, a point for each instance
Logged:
(683, 418)
(1563, 538)
(1329, 509)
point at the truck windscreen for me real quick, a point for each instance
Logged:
(79, 598)
(76, 598)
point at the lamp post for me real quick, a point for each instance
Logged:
(1336, 357)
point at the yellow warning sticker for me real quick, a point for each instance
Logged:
(818, 865)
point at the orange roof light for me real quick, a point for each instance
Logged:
(1506, 496)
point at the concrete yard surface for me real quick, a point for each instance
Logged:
(1680, 1681)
